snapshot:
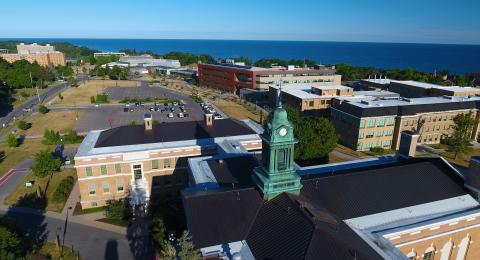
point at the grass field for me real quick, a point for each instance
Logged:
(236, 111)
(81, 94)
(13, 156)
(27, 197)
(462, 160)
(60, 121)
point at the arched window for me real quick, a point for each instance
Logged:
(446, 250)
(463, 247)
(412, 255)
(429, 253)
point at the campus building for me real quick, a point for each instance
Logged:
(44, 55)
(144, 161)
(233, 77)
(316, 100)
(415, 89)
(264, 206)
(373, 122)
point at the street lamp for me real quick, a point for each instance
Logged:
(64, 232)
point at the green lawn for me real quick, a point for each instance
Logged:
(13, 156)
(29, 197)
(79, 211)
(462, 160)
(49, 251)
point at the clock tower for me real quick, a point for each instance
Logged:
(276, 174)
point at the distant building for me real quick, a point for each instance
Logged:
(316, 100)
(144, 61)
(147, 161)
(232, 77)
(3, 51)
(415, 89)
(366, 122)
(44, 55)
(247, 206)
(106, 54)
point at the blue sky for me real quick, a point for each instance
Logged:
(423, 21)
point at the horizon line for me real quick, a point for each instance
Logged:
(265, 40)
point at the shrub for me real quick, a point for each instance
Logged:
(63, 190)
(101, 98)
(51, 137)
(118, 209)
(23, 125)
(71, 137)
(377, 150)
(92, 100)
(43, 109)
(12, 140)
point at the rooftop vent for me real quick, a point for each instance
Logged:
(365, 102)
(147, 118)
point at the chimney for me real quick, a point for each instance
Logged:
(208, 119)
(472, 181)
(147, 118)
(408, 144)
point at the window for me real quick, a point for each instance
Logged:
(390, 121)
(166, 163)
(91, 189)
(94, 204)
(360, 135)
(463, 247)
(282, 159)
(369, 134)
(371, 123)
(359, 146)
(429, 253)
(155, 164)
(387, 143)
(106, 187)
(118, 168)
(88, 171)
(322, 102)
(381, 122)
(367, 146)
(379, 133)
(446, 251)
(103, 169)
(389, 132)
(120, 187)
(310, 104)
(362, 123)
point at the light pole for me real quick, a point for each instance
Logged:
(64, 232)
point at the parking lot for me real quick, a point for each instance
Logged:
(109, 115)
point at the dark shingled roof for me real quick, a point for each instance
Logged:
(311, 224)
(171, 132)
(236, 170)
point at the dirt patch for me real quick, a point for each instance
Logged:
(59, 121)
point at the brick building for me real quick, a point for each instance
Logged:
(44, 55)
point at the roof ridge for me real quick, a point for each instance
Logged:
(254, 218)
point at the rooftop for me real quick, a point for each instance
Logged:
(313, 223)
(368, 102)
(253, 68)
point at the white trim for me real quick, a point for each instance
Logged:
(133, 161)
(438, 235)
(432, 225)
(416, 232)
(104, 176)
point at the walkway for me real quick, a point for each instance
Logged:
(94, 240)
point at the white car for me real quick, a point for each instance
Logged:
(170, 115)
(218, 117)
(180, 115)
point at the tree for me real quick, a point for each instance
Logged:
(158, 233)
(42, 109)
(9, 244)
(168, 252)
(460, 140)
(71, 137)
(12, 140)
(118, 210)
(187, 249)
(23, 125)
(51, 137)
(316, 139)
(45, 164)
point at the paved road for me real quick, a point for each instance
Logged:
(31, 103)
(91, 242)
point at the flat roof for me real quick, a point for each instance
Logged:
(435, 86)
(253, 68)
(368, 102)
(304, 91)
(378, 81)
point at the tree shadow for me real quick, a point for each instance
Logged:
(111, 250)
(138, 235)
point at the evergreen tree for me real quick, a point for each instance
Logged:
(158, 233)
(187, 249)
(9, 244)
(12, 140)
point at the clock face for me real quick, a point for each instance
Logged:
(282, 131)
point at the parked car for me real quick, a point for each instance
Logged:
(170, 115)
(217, 117)
(125, 109)
(152, 109)
(180, 115)
(185, 115)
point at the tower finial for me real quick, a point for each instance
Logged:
(279, 93)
